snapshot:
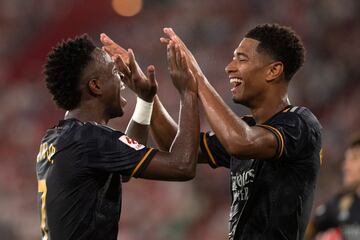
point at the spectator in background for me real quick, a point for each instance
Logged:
(339, 218)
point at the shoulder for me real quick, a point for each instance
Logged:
(297, 116)
(307, 116)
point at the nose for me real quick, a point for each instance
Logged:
(230, 67)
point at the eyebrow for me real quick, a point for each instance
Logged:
(240, 54)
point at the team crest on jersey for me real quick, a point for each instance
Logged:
(131, 142)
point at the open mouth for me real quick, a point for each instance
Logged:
(234, 83)
(122, 85)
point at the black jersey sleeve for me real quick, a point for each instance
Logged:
(112, 151)
(213, 151)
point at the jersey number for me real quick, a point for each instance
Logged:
(43, 190)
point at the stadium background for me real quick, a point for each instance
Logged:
(328, 84)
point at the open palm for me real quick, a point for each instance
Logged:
(144, 86)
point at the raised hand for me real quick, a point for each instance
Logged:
(144, 86)
(180, 73)
(171, 35)
(113, 48)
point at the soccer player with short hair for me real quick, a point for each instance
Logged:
(274, 155)
(339, 218)
(82, 161)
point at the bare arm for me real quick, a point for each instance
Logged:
(179, 163)
(163, 128)
(137, 130)
(236, 136)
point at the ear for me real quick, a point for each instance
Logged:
(94, 86)
(275, 70)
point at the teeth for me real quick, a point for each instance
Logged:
(122, 86)
(235, 80)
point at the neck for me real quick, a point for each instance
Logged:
(269, 107)
(88, 112)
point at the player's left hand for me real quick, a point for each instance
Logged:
(144, 86)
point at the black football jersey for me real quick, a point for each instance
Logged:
(272, 199)
(341, 212)
(79, 170)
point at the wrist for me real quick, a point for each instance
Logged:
(188, 94)
(143, 111)
(147, 99)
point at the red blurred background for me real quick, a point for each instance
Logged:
(328, 84)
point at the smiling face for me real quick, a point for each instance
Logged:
(111, 84)
(247, 72)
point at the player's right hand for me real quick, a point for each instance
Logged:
(172, 36)
(180, 73)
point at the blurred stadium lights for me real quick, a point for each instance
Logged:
(127, 8)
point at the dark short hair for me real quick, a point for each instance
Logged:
(282, 44)
(65, 65)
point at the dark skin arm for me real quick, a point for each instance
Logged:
(179, 163)
(235, 135)
(163, 127)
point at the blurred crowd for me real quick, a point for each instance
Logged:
(329, 84)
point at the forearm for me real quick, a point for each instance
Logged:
(228, 127)
(138, 127)
(138, 131)
(163, 128)
(184, 149)
(180, 163)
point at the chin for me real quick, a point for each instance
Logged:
(121, 114)
(238, 100)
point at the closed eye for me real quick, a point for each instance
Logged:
(240, 56)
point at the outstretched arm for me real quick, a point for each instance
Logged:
(236, 136)
(180, 162)
(163, 128)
